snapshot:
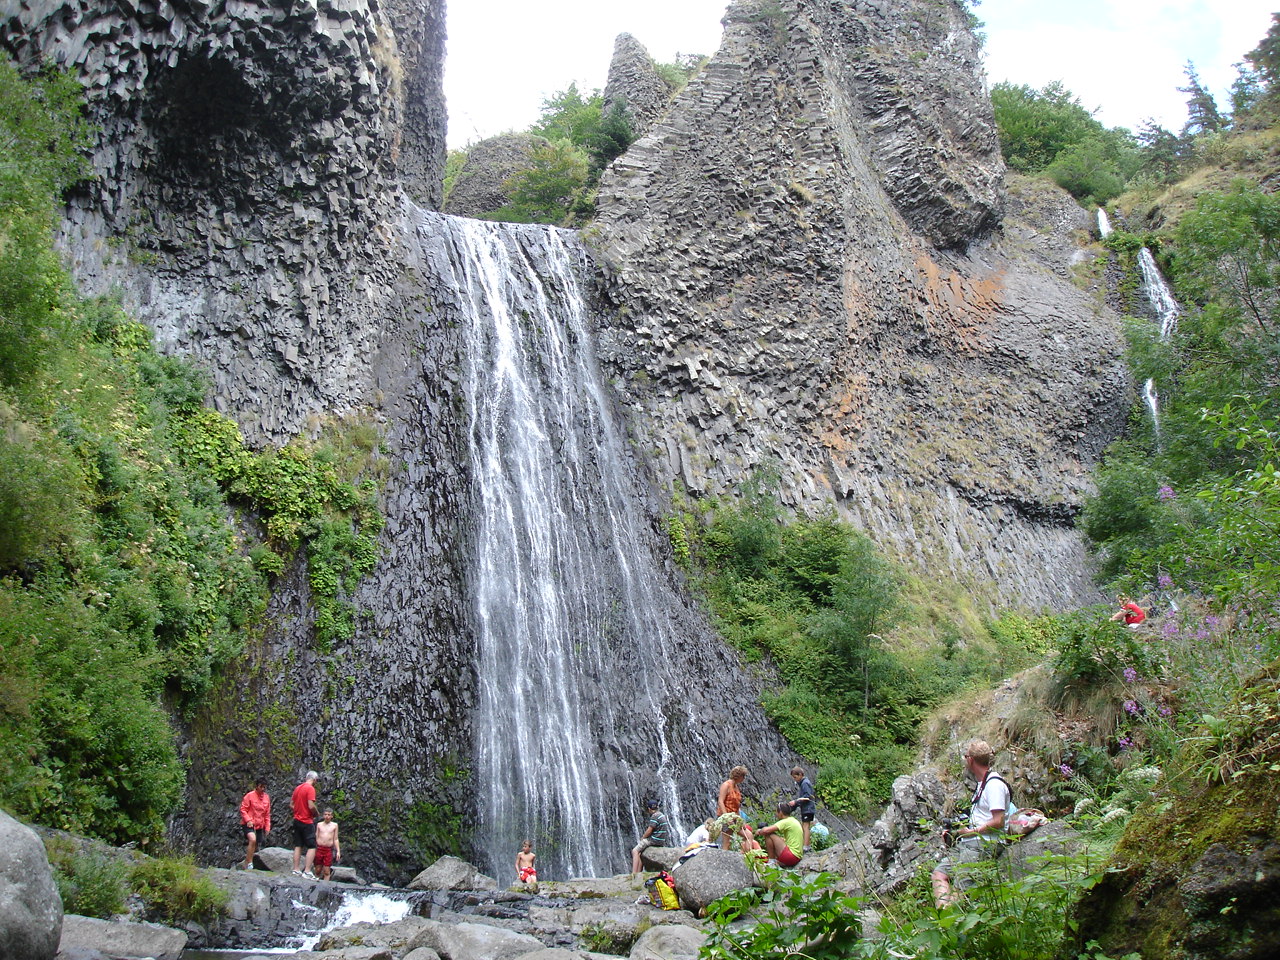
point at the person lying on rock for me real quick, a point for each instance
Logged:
(980, 839)
(657, 833)
(783, 841)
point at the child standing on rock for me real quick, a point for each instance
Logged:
(525, 870)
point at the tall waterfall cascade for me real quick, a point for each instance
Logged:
(1166, 308)
(578, 624)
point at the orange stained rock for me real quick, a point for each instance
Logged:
(957, 308)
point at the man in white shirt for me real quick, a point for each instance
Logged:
(986, 821)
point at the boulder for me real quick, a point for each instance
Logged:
(120, 938)
(347, 953)
(592, 887)
(394, 935)
(30, 907)
(474, 941)
(450, 873)
(1055, 837)
(709, 876)
(660, 858)
(275, 859)
(422, 953)
(346, 875)
(480, 187)
(675, 942)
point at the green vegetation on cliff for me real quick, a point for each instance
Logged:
(838, 622)
(128, 578)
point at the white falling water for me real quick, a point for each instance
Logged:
(572, 624)
(1161, 299)
(357, 907)
(1162, 302)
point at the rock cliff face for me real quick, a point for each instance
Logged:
(809, 270)
(805, 268)
(249, 160)
(634, 85)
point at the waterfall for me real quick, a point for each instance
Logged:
(575, 620)
(1162, 302)
(1166, 307)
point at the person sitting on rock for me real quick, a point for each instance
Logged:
(657, 833)
(784, 840)
(1129, 612)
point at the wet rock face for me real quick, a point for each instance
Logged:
(635, 85)
(805, 271)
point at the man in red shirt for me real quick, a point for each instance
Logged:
(304, 823)
(255, 817)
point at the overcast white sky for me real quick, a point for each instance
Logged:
(1124, 57)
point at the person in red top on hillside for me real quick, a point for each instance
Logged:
(304, 824)
(1129, 612)
(255, 818)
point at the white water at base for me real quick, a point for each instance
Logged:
(361, 907)
(1104, 223)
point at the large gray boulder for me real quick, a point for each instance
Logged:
(450, 873)
(474, 941)
(395, 935)
(480, 187)
(660, 858)
(118, 938)
(1055, 838)
(709, 876)
(30, 907)
(673, 942)
(275, 859)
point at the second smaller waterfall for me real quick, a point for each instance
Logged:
(1162, 303)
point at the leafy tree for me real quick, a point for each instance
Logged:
(1265, 57)
(42, 139)
(568, 115)
(1164, 153)
(552, 190)
(1037, 125)
(1087, 171)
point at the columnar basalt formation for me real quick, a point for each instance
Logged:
(635, 85)
(808, 271)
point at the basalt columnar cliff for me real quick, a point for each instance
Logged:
(810, 260)
(815, 263)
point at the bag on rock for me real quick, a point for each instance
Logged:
(662, 891)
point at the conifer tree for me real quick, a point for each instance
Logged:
(1202, 112)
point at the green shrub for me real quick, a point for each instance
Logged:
(176, 891)
(91, 885)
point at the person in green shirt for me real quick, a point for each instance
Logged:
(784, 840)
